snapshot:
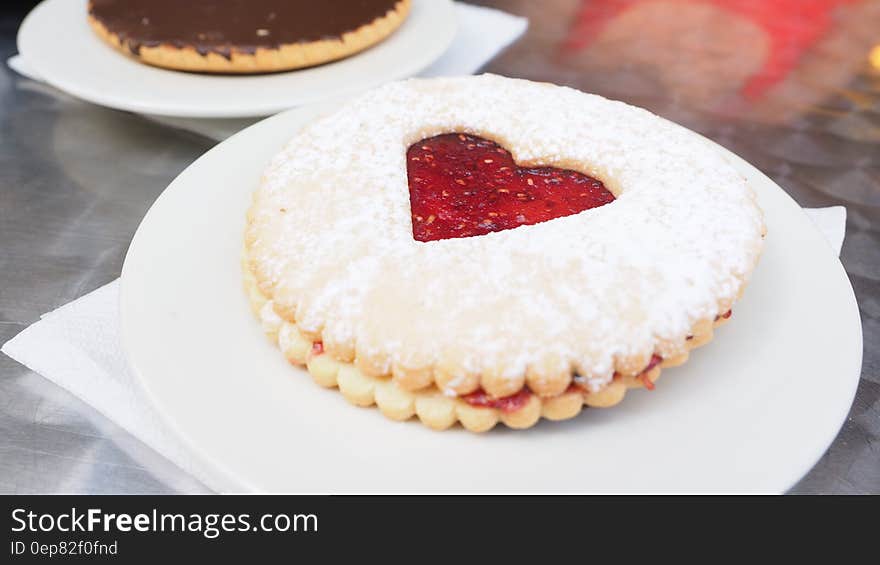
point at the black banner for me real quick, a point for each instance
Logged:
(123, 528)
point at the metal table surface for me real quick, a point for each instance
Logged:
(793, 87)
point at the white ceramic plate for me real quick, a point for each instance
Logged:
(57, 42)
(750, 412)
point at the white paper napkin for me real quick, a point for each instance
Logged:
(482, 34)
(78, 347)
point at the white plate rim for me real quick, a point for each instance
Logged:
(845, 391)
(440, 14)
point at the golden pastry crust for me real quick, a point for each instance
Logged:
(436, 409)
(547, 380)
(284, 58)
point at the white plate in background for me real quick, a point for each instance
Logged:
(751, 412)
(58, 44)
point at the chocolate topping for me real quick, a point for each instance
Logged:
(221, 26)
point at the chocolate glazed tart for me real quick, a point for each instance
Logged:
(244, 36)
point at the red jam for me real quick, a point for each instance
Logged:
(517, 400)
(655, 360)
(462, 185)
(643, 376)
(506, 404)
(318, 348)
(724, 316)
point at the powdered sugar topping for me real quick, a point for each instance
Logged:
(331, 234)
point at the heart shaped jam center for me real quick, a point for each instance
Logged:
(462, 185)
